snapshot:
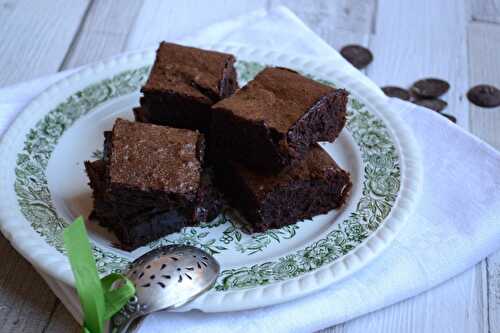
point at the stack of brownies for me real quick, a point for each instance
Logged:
(199, 142)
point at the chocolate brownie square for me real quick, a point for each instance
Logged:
(152, 164)
(137, 225)
(151, 182)
(183, 85)
(275, 119)
(134, 225)
(312, 186)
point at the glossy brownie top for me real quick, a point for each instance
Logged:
(157, 158)
(278, 96)
(188, 71)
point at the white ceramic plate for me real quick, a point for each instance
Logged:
(44, 186)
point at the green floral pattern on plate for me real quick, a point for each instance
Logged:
(380, 188)
(31, 185)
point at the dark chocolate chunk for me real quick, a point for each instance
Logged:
(449, 116)
(275, 119)
(430, 88)
(357, 55)
(397, 92)
(484, 95)
(435, 104)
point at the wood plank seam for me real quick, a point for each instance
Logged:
(51, 315)
(77, 36)
(486, 292)
(485, 11)
(34, 39)
(373, 25)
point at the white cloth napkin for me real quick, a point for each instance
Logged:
(454, 226)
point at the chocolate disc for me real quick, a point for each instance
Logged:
(450, 117)
(484, 95)
(397, 92)
(430, 88)
(435, 104)
(357, 55)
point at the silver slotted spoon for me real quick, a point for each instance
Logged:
(166, 278)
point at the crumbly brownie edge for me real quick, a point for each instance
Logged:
(287, 203)
(147, 227)
(134, 225)
(210, 200)
(236, 191)
(322, 122)
(250, 143)
(290, 204)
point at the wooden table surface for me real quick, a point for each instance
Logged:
(457, 40)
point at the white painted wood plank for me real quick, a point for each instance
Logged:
(493, 292)
(484, 54)
(160, 20)
(26, 303)
(104, 32)
(61, 321)
(338, 22)
(485, 10)
(417, 39)
(33, 42)
(35, 36)
(484, 67)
